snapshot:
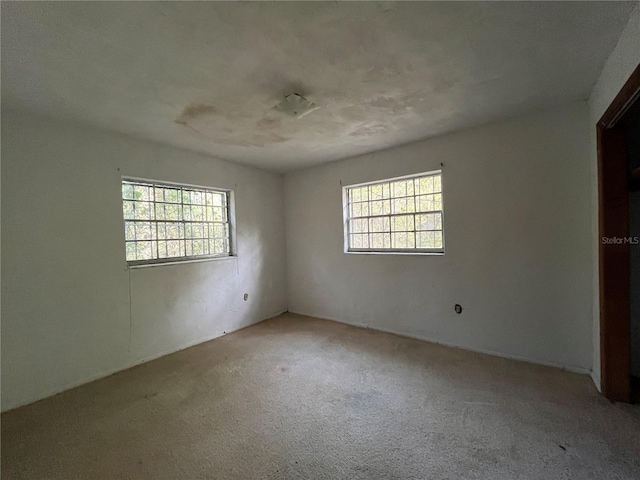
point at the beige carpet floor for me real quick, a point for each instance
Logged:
(301, 398)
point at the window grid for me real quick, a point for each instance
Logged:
(397, 215)
(166, 222)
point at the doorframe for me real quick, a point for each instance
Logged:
(615, 258)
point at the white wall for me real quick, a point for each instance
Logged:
(71, 310)
(518, 242)
(617, 69)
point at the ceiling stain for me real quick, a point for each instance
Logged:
(251, 121)
(231, 126)
(260, 140)
(269, 123)
(195, 111)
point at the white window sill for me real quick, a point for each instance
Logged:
(179, 261)
(359, 252)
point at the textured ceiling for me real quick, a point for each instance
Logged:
(205, 76)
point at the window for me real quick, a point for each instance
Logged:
(402, 215)
(167, 223)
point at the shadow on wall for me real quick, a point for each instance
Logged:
(174, 306)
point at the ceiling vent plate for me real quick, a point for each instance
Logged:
(295, 105)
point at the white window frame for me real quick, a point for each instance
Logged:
(230, 214)
(391, 251)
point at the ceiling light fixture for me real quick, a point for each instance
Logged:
(296, 105)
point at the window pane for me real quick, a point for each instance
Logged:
(170, 222)
(437, 183)
(359, 209)
(197, 198)
(438, 239)
(197, 230)
(129, 231)
(425, 239)
(429, 221)
(162, 249)
(394, 210)
(402, 223)
(127, 209)
(175, 248)
(360, 240)
(437, 201)
(359, 225)
(402, 205)
(127, 191)
(144, 251)
(172, 212)
(219, 231)
(142, 192)
(380, 240)
(171, 195)
(159, 194)
(197, 213)
(426, 185)
(174, 231)
(380, 207)
(198, 247)
(402, 188)
(429, 203)
(160, 211)
(402, 240)
(379, 192)
(380, 224)
(131, 251)
(161, 228)
(218, 214)
(186, 212)
(144, 231)
(142, 210)
(219, 245)
(410, 188)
